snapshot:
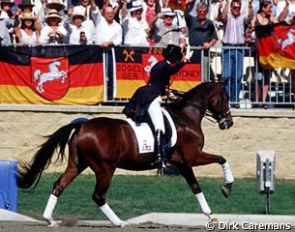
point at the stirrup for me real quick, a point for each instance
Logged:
(158, 163)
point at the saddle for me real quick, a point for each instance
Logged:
(145, 131)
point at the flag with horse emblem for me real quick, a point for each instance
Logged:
(68, 75)
(50, 77)
(276, 46)
(133, 66)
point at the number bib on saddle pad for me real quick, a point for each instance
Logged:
(145, 137)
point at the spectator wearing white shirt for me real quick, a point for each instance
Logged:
(108, 31)
(28, 34)
(85, 7)
(79, 33)
(134, 25)
(108, 34)
(53, 32)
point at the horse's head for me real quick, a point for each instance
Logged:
(56, 63)
(218, 105)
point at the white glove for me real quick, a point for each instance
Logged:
(189, 53)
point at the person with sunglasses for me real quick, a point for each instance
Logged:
(28, 34)
(233, 41)
(164, 32)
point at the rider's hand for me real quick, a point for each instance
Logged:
(189, 53)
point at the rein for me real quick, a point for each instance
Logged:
(208, 113)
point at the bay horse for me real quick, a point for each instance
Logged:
(104, 144)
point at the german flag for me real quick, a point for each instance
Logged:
(276, 46)
(67, 75)
(177, 4)
(133, 65)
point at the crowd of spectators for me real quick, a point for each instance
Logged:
(207, 23)
(134, 22)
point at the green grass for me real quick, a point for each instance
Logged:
(131, 196)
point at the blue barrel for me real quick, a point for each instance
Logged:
(8, 185)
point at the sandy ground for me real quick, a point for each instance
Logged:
(36, 227)
(21, 133)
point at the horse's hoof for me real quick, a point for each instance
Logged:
(213, 220)
(52, 223)
(226, 189)
(124, 224)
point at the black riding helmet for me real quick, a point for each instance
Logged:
(172, 53)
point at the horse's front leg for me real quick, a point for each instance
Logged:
(205, 158)
(190, 178)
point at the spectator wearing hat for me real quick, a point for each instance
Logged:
(85, 7)
(164, 32)
(78, 33)
(179, 19)
(135, 27)
(57, 5)
(53, 32)
(26, 6)
(147, 101)
(5, 9)
(28, 35)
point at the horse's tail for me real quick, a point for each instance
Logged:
(37, 74)
(28, 173)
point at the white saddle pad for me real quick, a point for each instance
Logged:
(145, 137)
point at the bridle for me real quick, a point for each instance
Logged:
(220, 118)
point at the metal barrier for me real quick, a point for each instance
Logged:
(259, 88)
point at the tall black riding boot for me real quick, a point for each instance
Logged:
(159, 150)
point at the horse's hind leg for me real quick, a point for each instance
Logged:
(74, 168)
(104, 174)
(206, 158)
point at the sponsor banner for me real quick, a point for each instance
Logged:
(276, 46)
(133, 65)
(66, 75)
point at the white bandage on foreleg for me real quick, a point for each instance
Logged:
(114, 219)
(203, 203)
(229, 178)
(51, 203)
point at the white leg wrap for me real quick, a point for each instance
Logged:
(50, 207)
(203, 203)
(229, 178)
(111, 215)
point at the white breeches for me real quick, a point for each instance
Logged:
(156, 115)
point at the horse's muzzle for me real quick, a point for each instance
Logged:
(224, 123)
